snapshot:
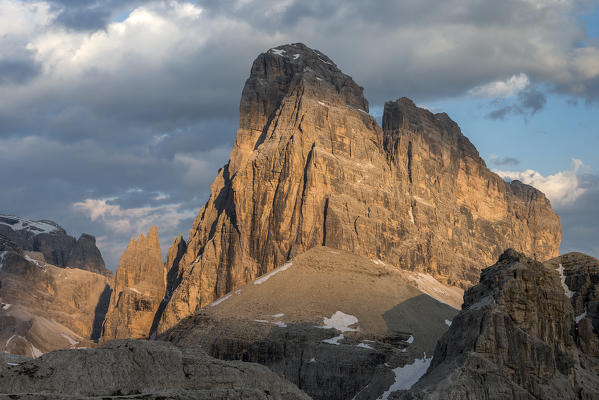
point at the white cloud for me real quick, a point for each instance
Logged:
(135, 220)
(505, 88)
(562, 188)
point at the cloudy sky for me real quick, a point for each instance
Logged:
(116, 114)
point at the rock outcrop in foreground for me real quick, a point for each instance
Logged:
(138, 289)
(529, 330)
(311, 167)
(140, 369)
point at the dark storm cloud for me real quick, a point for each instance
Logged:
(18, 70)
(504, 161)
(527, 103)
(138, 116)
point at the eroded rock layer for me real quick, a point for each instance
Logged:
(529, 330)
(138, 289)
(311, 167)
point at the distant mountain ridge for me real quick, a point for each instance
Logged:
(50, 239)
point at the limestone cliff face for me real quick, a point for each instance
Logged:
(311, 167)
(138, 289)
(528, 330)
(44, 307)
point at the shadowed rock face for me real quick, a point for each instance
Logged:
(44, 307)
(138, 289)
(528, 330)
(50, 239)
(140, 369)
(311, 167)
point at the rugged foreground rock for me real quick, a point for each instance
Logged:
(528, 330)
(311, 167)
(52, 241)
(44, 307)
(333, 323)
(138, 289)
(139, 369)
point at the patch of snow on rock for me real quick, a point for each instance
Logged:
(312, 360)
(410, 339)
(278, 315)
(12, 364)
(262, 321)
(447, 322)
(341, 322)
(334, 340)
(408, 375)
(69, 339)
(271, 274)
(217, 302)
(135, 290)
(35, 352)
(280, 324)
(36, 227)
(365, 346)
(5, 306)
(567, 290)
(279, 52)
(581, 316)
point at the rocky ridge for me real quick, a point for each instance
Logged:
(138, 289)
(50, 239)
(44, 307)
(528, 330)
(311, 167)
(139, 369)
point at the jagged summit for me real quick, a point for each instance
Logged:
(310, 167)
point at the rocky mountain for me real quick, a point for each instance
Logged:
(333, 323)
(50, 239)
(310, 167)
(44, 307)
(139, 370)
(528, 330)
(138, 289)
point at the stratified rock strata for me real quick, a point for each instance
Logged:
(529, 330)
(138, 289)
(311, 167)
(140, 369)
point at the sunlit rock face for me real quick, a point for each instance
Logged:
(311, 167)
(138, 289)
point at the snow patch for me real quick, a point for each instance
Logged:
(408, 375)
(279, 52)
(12, 364)
(280, 324)
(341, 322)
(378, 261)
(411, 215)
(312, 360)
(410, 339)
(447, 322)
(278, 315)
(296, 56)
(35, 352)
(36, 227)
(238, 291)
(217, 302)
(134, 290)
(567, 290)
(335, 340)
(34, 261)
(262, 321)
(5, 306)
(69, 339)
(581, 316)
(365, 346)
(271, 274)
(322, 103)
